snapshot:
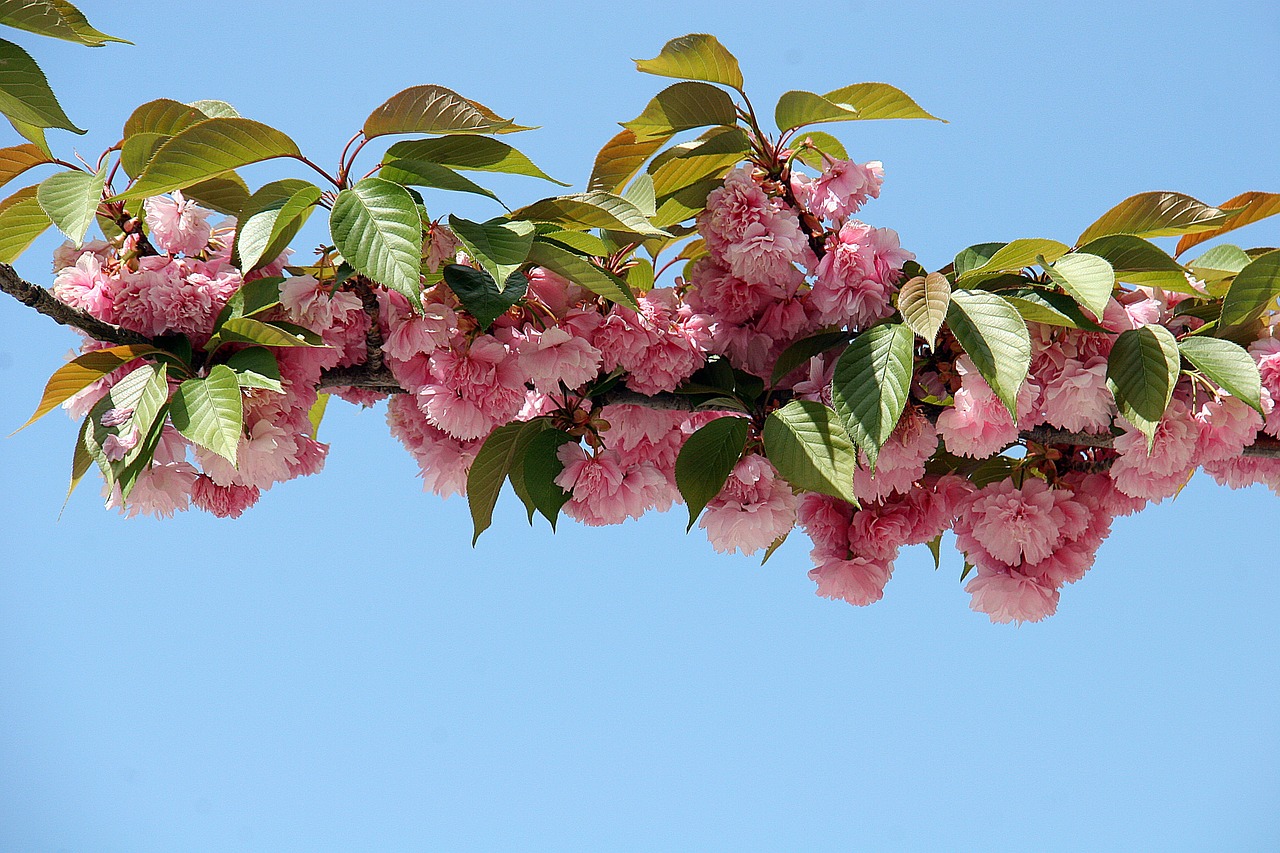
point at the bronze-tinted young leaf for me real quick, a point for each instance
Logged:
(708, 157)
(247, 330)
(1252, 207)
(81, 372)
(620, 158)
(697, 56)
(420, 173)
(17, 159)
(683, 106)
(923, 301)
(1156, 214)
(433, 109)
(54, 18)
(225, 194)
(1012, 257)
(706, 460)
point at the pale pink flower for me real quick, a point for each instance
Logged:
(443, 460)
(718, 293)
(1078, 399)
(858, 275)
(901, 460)
(161, 490)
(473, 391)
(87, 286)
(223, 501)
(556, 356)
(1160, 472)
(978, 424)
(843, 188)
(178, 225)
(733, 208)
(769, 251)
(604, 490)
(1010, 596)
(857, 580)
(754, 508)
(442, 247)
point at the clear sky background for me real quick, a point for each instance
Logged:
(340, 670)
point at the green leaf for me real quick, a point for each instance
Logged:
(709, 157)
(434, 109)
(1251, 206)
(148, 419)
(1227, 364)
(208, 149)
(124, 396)
(620, 158)
(1087, 278)
(1220, 263)
(1253, 291)
(1014, 256)
(22, 220)
(81, 459)
(640, 275)
(225, 194)
(1050, 308)
(70, 200)
(581, 271)
(579, 241)
(376, 226)
(923, 301)
(316, 414)
(697, 56)
(150, 126)
(684, 203)
(935, 548)
(798, 108)
(25, 95)
(271, 218)
(54, 18)
(17, 159)
(499, 247)
(81, 372)
(208, 411)
(707, 459)
(975, 256)
(805, 442)
(641, 193)
(420, 173)
(492, 465)
(470, 153)
(35, 135)
(870, 385)
(774, 546)
(879, 101)
(1156, 214)
(214, 108)
(252, 298)
(540, 468)
(587, 210)
(1138, 261)
(994, 336)
(1142, 371)
(800, 352)
(256, 367)
(480, 295)
(250, 331)
(683, 106)
(823, 143)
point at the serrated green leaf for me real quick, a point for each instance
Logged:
(706, 460)
(823, 143)
(480, 295)
(376, 226)
(1157, 214)
(1050, 308)
(709, 157)
(975, 256)
(1087, 278)
(590, 210)
(434, 109)
(208, 149)
(870, 385)
(124, 396)
(209, 412)
(579, 241)
(1138, 261)
(581, 271)
(469, 153)
(697, 56)
(798, 108)
(256, 367)
(1014, 256)
(683, 106)
(70, 200)
(640, 192)
(806, 443)
(250, 331)
(499, 247)
(25, 95)
(1220, 263)
(54, 18)
(1253, 291)
(214, 108)
(225, 194)
(935, 548)
(271, 218)
(923, 301)
(22, 220)
(491, 467)
(1229, 365)
(150, 126)
(539, 471)
(879, 101)
(1142, 371)
(994, 336)
(419, 173)
(685, 203)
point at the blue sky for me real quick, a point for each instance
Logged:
(340, 670)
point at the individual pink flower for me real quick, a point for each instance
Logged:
(556, 356)
(223, 501)
(161, 490)
(733, 208)
(721, 295)
(443, 460)
(755, 508)
(660, 346)
(843, 188)
(1078, 399)
(87, 286)
(1011, 525)
(177, 224)
(769, 251)
(901, 460)
(1010, 596)
(472, 391)
(858, 275)
(1161, 471)
(604, 490)
(978, 424)
(857, 580)
(442, 247)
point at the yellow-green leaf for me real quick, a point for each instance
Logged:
(207, 149)
(697, 56)
(1157, 214)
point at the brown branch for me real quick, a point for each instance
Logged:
(35, 296)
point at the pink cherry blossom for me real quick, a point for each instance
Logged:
(754, 508)
(178, 224)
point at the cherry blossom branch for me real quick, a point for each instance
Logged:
(36, 297)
